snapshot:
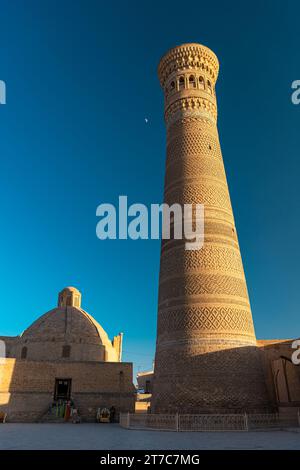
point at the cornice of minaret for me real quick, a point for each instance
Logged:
(188, 74)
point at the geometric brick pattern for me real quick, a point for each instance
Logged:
(205, 318)
(191, 167)
(209, 194)
(191, 144)
(210, 257)
(202, 284)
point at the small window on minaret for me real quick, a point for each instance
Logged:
(24, 353)
(66, 351)
(201, 82)
(192, 81)
(181, 83)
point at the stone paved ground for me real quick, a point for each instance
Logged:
(111, 436)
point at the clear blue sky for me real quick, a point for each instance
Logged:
(81, 78)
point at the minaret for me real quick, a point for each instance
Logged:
(206, 355)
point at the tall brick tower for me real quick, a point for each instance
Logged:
(206, 356)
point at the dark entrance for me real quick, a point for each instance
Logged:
(62, 389)
(148, 386)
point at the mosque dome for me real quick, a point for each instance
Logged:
(68, 333)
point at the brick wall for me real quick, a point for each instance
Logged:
(27, 387)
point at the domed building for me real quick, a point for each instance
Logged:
(64, 355)
(68, 333)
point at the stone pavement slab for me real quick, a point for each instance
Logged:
(112, 437)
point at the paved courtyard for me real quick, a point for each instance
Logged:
(112, 437)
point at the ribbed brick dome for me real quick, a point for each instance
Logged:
(68, 332)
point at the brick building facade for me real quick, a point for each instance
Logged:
(64, 355)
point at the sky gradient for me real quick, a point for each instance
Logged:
(81, 78)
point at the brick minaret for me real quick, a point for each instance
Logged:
(206, 355)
